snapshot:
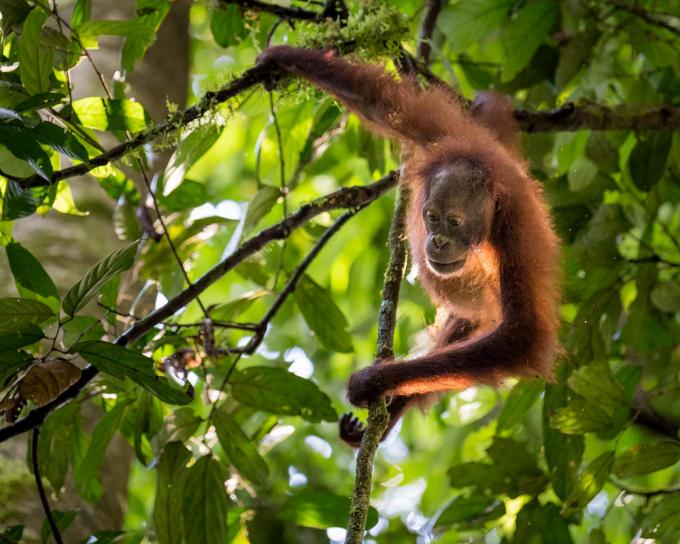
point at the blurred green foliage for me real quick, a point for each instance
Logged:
(253, 455)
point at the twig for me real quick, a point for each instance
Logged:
(261, 329)
(348, 197)
(646, 17)
(41, 489)
(378, 418)
(432, 9)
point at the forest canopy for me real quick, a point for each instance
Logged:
(194, 257)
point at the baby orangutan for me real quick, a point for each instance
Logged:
(479, 231)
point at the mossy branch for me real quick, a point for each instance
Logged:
(378, 418)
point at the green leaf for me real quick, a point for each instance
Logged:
(167, 511)
(241, 452)
(521, 398)
(13, 13)
(595, 383)
(105, 115)
(205, 503)
(647, 161)
(11, 362)
(17, 313)
(59, 431)
(82, 10)
(323, 317)
(23, 145)
(574, 56)
(119, 261)
(63, 521)
(662, 524)
(646, 458)
(227, 26)
(30, 334)
(320, 510)
(60, 140)
(190, 149)
(189, 194)
(541, 523)
(35, 62)
(563, 452)
(122, 362)
(179, 426)
(666, 296)
(89, 31)
(281, 392)
(85, 474)
(580, 417)
(30, 277)
(260, 205)
(17, 202)
(590, 483)
(151, 13)
(471, 511)
(525, 33)
(466, 23)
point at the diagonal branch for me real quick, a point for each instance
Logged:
(348, 197)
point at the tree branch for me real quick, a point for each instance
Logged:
(347, 197)
(378, 418)
(41, 489)
(645, 16)
(285, 12)
(566, 118)
(596, 117)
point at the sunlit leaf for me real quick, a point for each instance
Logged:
(278, 391)
(205, 502)
(320, 510)
(104, 114)
(646, 458)
(322, 315)
(241, 452)
(119, 261)
(35, 62)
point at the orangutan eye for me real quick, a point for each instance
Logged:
(431, 218)
(455, 221)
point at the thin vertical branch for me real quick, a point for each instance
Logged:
(378, 418)
(41, 490)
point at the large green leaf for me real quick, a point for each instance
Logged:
(465, 23)
(648, 159)
(472, 510)
(119, 261)
(26, 336)
(104, 114)
(17, 313)
(525, 33)
(227, 25)
(23, 145)
(666, 296)
(541, 523)
(35, 62)
(85, 474)
(168, 506)
(320, 510)
(580, 417)
(521, 398)
(205, 502)
(122, 362)
(30, 277)
(240, 450)
(646, 458)
(60, 140)
(260, 205)
(662, 524)
(595, 383)
(590, 482)
(322, 315)
(89, 31)
(278, 391)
